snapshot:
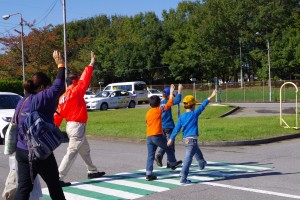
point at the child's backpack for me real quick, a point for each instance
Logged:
(42, 136)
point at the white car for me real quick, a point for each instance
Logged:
(111, 99)
(8, 103)
(152, 92)
(89, 94)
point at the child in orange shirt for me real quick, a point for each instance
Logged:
(155, 137)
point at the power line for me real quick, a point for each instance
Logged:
(48, 11)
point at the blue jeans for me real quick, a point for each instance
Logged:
(152, 143)
(166, 133)
(191, 149)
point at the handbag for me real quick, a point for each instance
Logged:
(11, 183)
(11, 136)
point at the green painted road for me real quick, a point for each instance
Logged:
(133, 185)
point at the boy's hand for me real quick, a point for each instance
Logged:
(180, 88)
(170, 142)
(172, 88)
(92, 59)
(212, 95)
(58, 58)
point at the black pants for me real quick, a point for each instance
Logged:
(47, 169)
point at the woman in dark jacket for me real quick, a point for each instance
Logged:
(46, 96)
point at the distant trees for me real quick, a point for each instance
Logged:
(199, 39)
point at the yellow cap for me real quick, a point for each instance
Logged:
(189, 100)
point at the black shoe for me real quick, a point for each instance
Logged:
(178, 164)
(151, 177)
(168, 165)
(64, 184)
(95, 175)
(158, 160)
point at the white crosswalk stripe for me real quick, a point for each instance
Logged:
(70, 195)
(133, 185)
(113, 192)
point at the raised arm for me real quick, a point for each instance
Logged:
(199, 110)
(86, 76)
(178, 97)
(212, 95)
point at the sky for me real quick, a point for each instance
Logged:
(46, 12)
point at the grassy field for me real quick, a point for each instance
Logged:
(130, 123)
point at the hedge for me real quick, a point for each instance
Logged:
(15, 86)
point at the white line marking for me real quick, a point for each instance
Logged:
(139, 185)
(252, 190)
(108, 191)
(228, 169)
(239, 166)
(69, 195)
(132, 184)
(171, 181)
(201, 178)
(250, 167)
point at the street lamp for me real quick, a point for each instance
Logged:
(269, 66)
(101, 83)
(194, 86)
(65, 39)
(241, 63)
(6, 17)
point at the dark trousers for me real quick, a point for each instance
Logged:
(166, 133)
(152, 143)
(47, 169)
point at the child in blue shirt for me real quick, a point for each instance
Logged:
(189, 122)
(167, 121)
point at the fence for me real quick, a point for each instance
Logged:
(254, 91)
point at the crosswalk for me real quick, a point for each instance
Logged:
(133, 185)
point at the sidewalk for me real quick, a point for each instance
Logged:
(262, 109)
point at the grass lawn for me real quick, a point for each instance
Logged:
(130, 123)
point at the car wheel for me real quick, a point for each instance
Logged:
(131, 104)
(104, 106)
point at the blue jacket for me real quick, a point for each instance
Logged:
(47, 103)
(189, 122)
(167, 120)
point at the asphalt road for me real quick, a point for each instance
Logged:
(263, 109)
(282, 179)
(280, 182)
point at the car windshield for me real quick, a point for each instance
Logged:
(103, 94)
(9, 101)
(89, 93)
(154, 91)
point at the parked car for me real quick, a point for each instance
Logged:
(152, 92)
(138, 88)
(111, 99)
(8, 103)
(89, 94)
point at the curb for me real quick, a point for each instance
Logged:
(251, 142)
(230, 112)
(204, 144)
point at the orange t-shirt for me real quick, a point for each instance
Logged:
(154, 120)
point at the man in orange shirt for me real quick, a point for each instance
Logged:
(72, 107)
(155, 137)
